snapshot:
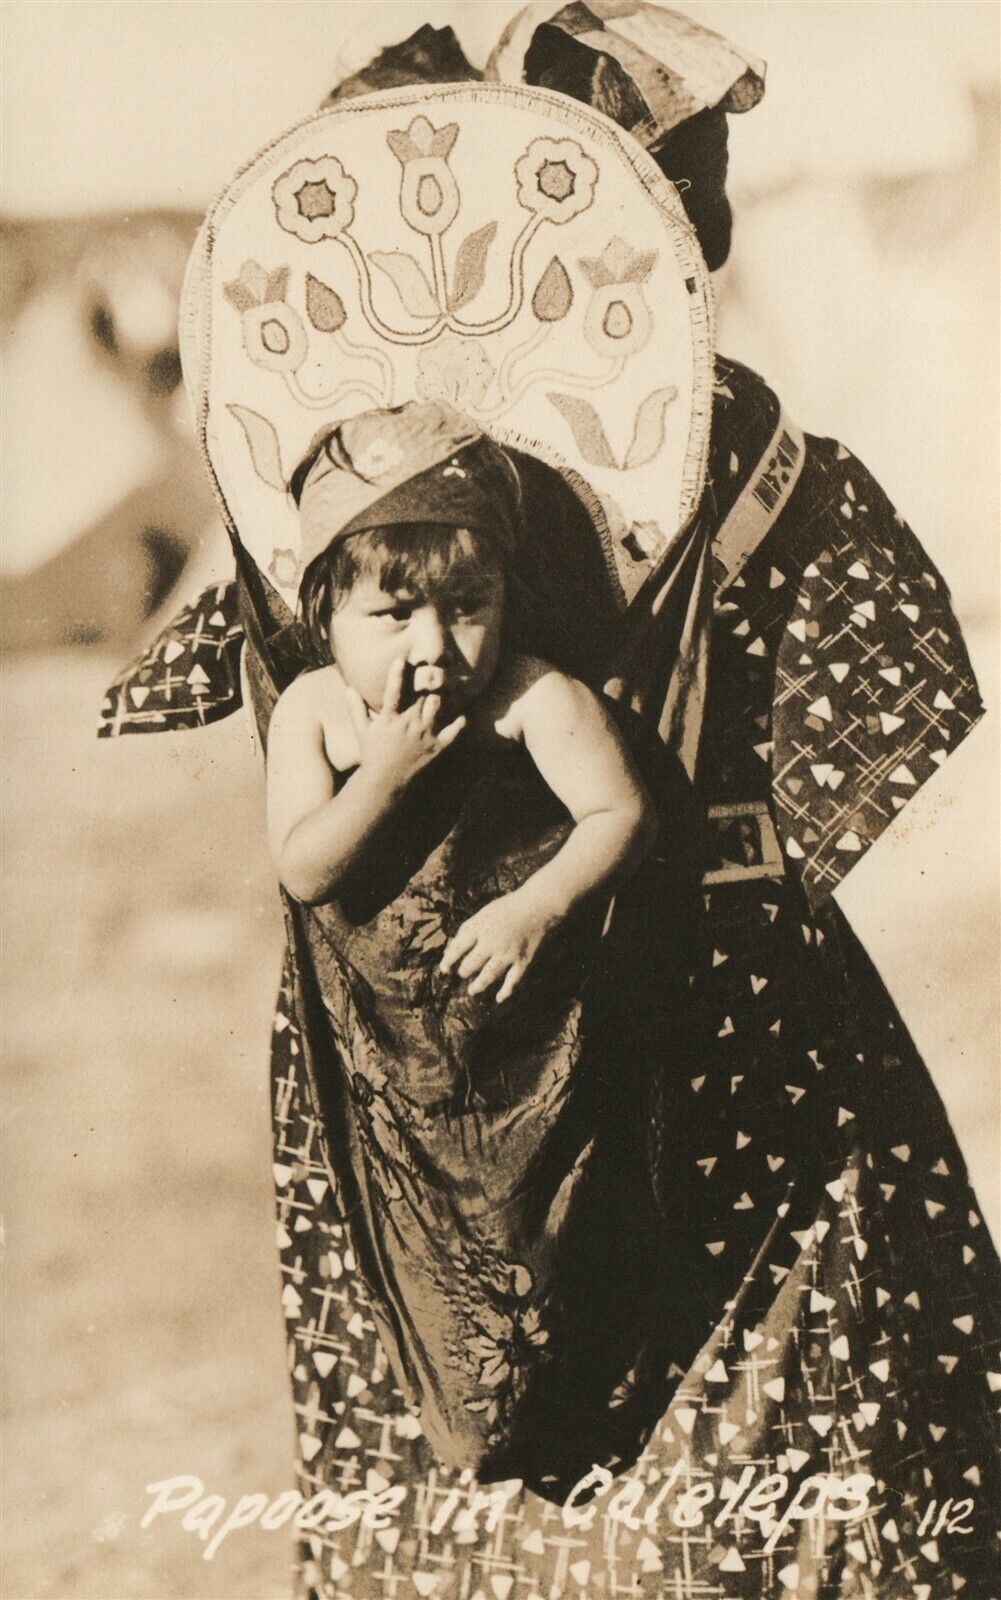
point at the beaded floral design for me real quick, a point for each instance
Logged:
(314, 200)
(488, 317)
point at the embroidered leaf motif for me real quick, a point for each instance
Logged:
(471, 266)
(553, 295)
(262, 442)
(324, 308)
(648, 434)
(585, 424)
(408, 280)
(240, 295)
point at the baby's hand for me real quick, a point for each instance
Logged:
(500, 940)
(394, 745)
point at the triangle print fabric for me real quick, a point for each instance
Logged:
(839, 1313)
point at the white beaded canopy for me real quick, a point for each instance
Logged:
(500, 247)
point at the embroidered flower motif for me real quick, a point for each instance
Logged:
(555, 179)
(429, 194)
(454, 369)
(315, 199)
(273, 334)
(618, 318)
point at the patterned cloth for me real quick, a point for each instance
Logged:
(421, 462)
(830, 1427)
(189, 677)
(495, 1161)
(670, 68)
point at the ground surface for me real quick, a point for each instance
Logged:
(143, 1333)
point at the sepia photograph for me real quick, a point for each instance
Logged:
(501, 1094)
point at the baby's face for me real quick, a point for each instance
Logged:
(451, 642)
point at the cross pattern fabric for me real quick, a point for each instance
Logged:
(837, 1292)
(854, 1292)
(188, 678)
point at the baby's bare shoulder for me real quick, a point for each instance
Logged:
(310, 694)
(314, 705)
(529, 689)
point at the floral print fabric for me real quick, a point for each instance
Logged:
(497, 1157)
(837, 1266)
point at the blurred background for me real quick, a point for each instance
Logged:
(141, 928)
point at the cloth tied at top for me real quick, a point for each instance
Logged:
(423, 462)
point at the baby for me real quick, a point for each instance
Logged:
(410, 521)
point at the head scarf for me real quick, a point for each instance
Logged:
(647, 68)
(417, 463)
(666, 80)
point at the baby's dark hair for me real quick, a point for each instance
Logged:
(428, 560)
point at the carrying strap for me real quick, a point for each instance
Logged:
(741, 840)
(761, 501)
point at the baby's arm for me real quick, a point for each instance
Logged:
(319, 827)
(579, 752)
